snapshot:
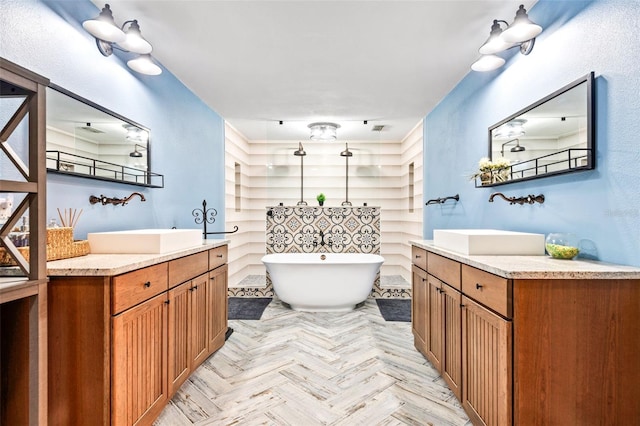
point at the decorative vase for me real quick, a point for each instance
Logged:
(485, 178)
(562, 245)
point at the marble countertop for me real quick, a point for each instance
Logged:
(115, 264)
(537, 267)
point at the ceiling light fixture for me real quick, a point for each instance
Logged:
(511, 129)
(125, 38)
(323, 131)
(521, 33)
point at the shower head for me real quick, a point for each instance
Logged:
(518, 148)
(136, 153)
(346, 152)
(300, 152)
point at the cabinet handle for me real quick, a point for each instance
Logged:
(220, 255)
(418, 256)
(478, 286)
(195, 287)
(166, 302)
(147, 284)
(461, 305)
(424, 279)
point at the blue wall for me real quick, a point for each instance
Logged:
(600, 206)
(187, 137)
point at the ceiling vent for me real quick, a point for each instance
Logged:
(377, 128)
(88, 128)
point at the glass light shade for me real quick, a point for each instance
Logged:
(522, 28)
(494, 43)
(487, 63)
(134, 42)
(104, 27)
(144, 65)
(323, 131)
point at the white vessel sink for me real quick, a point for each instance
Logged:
(144, 241)
(489, 242)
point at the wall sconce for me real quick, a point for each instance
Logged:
(521, 33)
(323, 131)
(109, 36)
(136, 153)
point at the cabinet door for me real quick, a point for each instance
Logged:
(434, 322)
(178, 336)
(486, 365)
(419, 308)
(217, 304)
(199, 310)
(139, 362)
(452, 339)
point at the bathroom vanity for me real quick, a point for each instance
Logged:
(125, 331)
(528, 339)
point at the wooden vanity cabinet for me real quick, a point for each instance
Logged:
(217, 290)
(121, 346)
(486, 365)
(534, 351)
(436, 315)
(139, 363)
(419, 302)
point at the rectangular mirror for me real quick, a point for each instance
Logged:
(550, 137)
(87, 140)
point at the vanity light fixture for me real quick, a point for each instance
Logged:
(521, 33)
(323, 131)
(126, 38)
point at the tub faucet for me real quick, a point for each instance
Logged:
(322, 242)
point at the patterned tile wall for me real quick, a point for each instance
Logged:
(304, 229)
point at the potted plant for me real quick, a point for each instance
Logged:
(492, 171)
(321, 198)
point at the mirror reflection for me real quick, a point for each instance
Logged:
(550, 137)
(84, 139)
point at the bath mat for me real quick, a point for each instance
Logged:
(395, 309)
(247, 308)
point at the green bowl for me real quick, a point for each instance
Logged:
(558, 251)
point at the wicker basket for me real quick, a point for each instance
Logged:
(60, 245)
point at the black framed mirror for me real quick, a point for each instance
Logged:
(86, 140)
(553, 136)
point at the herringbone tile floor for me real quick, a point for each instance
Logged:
(306, 369)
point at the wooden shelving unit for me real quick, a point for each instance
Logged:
(23, 289)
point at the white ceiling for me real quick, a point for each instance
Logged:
(258, 62)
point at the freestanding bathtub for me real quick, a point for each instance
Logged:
(322, 282)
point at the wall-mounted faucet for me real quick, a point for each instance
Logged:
(529, 199)
(115, 201)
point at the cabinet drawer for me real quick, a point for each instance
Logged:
(188, 267)
(137, 286)
(419, 257)
(217, 257)
(490, 290)
(446, 270)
